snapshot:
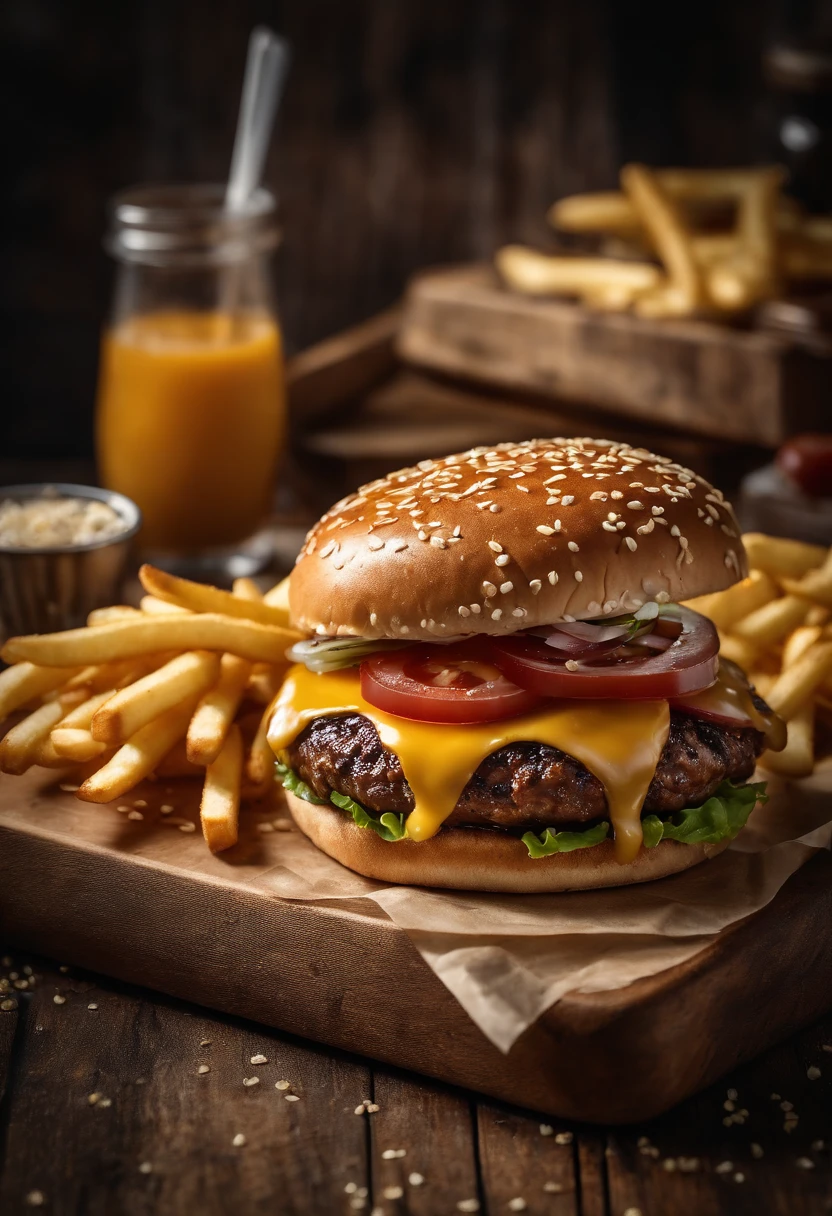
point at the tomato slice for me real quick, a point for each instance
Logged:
(633, 672)
(443, 684)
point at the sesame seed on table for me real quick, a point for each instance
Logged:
(119, 1100)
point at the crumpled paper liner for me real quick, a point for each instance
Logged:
(508, 958)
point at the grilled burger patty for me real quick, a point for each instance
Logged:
(524, 785)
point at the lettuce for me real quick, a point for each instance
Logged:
(292, 782)
(720, 818)
(550, 842)
(388, 826)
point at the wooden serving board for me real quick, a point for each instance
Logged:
(145, 903)
(702, 377)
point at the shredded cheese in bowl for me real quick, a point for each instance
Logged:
(57, 522)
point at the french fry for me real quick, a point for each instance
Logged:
(796, 684)
(201, 598)
(105, 616)
(603, 211)
(176, 764)
(668, 231)
(75, 744)
(815, 586)
(542, 274)
(797, 643)
(128, 639)
(738, 650)
(277, 597)
(219, 810)
(24, 682)
(246, 589)
(773, 622)
(47, 757)
(797, 759)
(152, 606)
(727, 607)
(215, 713)
(127, 711)
(818, 615)
(750, 272)
(21, 744)
(260, 759)
(782, 558)
(137, 758)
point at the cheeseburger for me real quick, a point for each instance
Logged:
(502, 688)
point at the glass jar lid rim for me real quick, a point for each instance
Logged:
(178, 205)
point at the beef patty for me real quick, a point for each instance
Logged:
(524, 785)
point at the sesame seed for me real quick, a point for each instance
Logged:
(203, 1069)
(58, 999)
(506, 587)
(568, 499)
(187, 827)
(291, 1098)
(489, 589)
(135, 815)
(392, 1192)
(535, 586)
(463, 611)
(630, 543)
(608, 527)
(35, 1199)
(657, 510)
(502, 560)
(635, 505)
(468, 1205)
(145, 1168)
(564, 1138)
(495, 546)
(571, 665)
(438, 542)
(525, 489)
(476, 609)
(166, 808)
(415, 1179)
(572, 546)
(813, 1072)
(287, 1085)
(546, 1129)
(805, 1163)
(239, 1140)
(496, 614)
(579, 578)
(518, 612)
(8, 1005)
(92, 1005)
(494, 509)
(674, 531)
(552, 577)
(517, 1205)
(545, 530)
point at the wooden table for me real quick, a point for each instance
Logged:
(103, 1109)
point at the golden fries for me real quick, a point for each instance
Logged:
(726, 607)
(540, 274)
(128, 710)
(797, 757)
(21, 744)
(152, 606)
(201, 598)
(277, 597)
(220, 806)
(771, 623)
(138, 757)
(146, 635)
(158, 692)
(679, 215)
(215, 713)
(24, 682)
(782, 558)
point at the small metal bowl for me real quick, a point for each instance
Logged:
(45, 589)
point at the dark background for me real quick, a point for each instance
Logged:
(412, 132)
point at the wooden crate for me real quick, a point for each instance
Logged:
(699, 377)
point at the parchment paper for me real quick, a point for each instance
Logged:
(507, 958)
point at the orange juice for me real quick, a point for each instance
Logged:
(190, 420)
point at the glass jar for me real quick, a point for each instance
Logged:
(191, 411)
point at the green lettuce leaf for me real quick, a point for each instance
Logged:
(720, 818)
(550, 842)
(388, 826)
(292, 782)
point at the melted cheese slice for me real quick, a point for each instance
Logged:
(620, 742)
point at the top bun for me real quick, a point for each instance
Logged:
(499, 539)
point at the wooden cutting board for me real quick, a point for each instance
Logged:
(142, 901)
(702, 377)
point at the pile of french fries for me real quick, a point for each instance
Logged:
(777, 625)
(180, 686)
(679, 260)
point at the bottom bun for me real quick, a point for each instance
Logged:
(476, 859)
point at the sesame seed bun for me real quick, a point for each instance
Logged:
(499, 539)
(475, 859)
